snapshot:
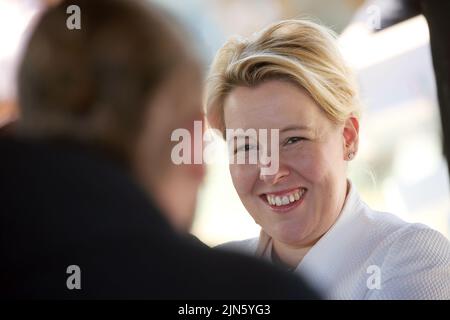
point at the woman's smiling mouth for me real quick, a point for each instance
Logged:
(284, 200)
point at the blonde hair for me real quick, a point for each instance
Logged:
(299, 51)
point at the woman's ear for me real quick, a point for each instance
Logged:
(351, 137)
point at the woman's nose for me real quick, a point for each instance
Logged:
(281, 173)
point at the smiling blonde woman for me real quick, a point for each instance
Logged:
(291, 77)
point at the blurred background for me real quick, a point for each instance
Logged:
(400, 167)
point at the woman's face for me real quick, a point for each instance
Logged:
(303, 199)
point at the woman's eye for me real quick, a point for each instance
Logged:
(245, 148)
(293, 140)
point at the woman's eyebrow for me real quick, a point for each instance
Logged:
(254, 134)
(296, 127)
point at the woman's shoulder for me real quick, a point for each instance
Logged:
(413, 259)
(391, 227)
(416, 265)
(419, 240)
(247, 246)
(389, 232)
(410, 241)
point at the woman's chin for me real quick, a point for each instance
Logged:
(289, 232)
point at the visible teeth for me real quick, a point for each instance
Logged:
(291, 198)
(278, 201)
(284, 200)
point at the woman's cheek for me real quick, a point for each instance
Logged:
(307, 164)
(243, 177)
(314, 169)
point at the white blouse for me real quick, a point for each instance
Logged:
(370, 255)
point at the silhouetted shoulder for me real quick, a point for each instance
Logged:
(63, 205)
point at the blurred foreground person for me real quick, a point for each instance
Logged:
(87, 174)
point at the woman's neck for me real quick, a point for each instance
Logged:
(289, 256)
